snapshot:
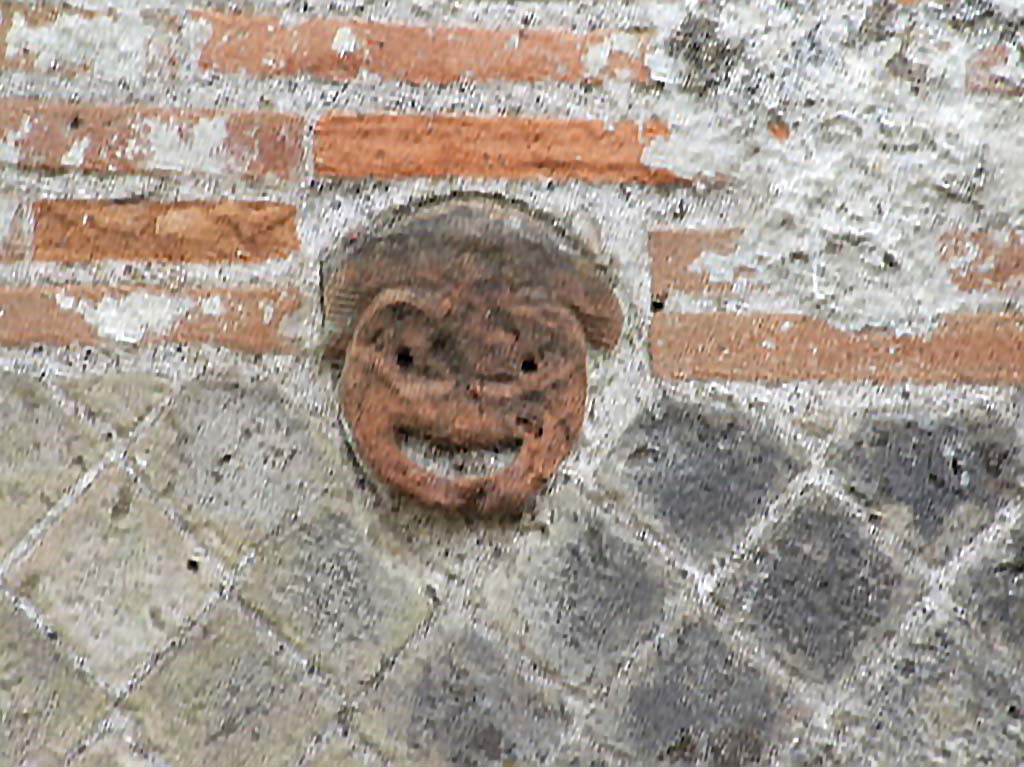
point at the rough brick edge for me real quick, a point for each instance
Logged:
(74, 231)
(340, 49)
(395, 146)
(981, 77)
(129, 139)
(248, 320)
(982, 261)
(15, 219)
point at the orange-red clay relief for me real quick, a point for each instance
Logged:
(463, 326)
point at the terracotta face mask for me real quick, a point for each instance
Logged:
(464, 328)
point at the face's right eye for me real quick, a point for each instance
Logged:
(403, 357)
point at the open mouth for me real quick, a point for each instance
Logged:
(452, 462)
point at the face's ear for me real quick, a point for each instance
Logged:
(346, 292)
(596, 307)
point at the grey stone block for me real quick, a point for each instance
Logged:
(43, 453)
(46, 706)
(459, 699)
(819, 586)
(950, 475)
(324, 587)
(113, 576)
(236, 462)
(580, 598)
(708, 470)
(693, 701)
(231, 695)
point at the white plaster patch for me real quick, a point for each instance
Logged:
(10, 150)
(345, 41)
(198, 148)
(700, 143)
(75, 156)
(130, 318)
(212, 306)
(115, 45)
(597, 56)
(9, 207)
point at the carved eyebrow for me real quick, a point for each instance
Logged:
(441, 241)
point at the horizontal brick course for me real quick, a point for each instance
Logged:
(121, 139)
(767, 347)
(248, 320)
(340, 49)
(985, 349)
(228, 230)
(389, 146)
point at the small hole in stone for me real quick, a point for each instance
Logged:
(1014, 712)
(404, 357)
(75, 123)
(657, 305)
(192, 564)
(529, 365)
(51, 635)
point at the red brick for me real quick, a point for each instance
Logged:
(674, 253)
(983, 261)
(248, 320)
(985, 349)
(981, 78)
(264, 46)
(387, 146)
(119, 139)
(229, 230)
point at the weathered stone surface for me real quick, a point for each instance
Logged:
(993, 593)
(707, 469)
(339, 752)
(120, 401)
(45, 705)
(460, 699)
(694, 702)
(819, 586)
(237, 693)
(43, 453)
(950, 475)
(113, 576)
(580, 598)
(236, 462)
(937, 701)
(111, 751)
(326, 589)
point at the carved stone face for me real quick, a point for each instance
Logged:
(464, 330)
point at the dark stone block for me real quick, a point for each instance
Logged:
(460, 700)
(929, 467)
(582, 601)
(820, 586)
(709, 471)
(697, 703)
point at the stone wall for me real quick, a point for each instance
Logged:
(791, 532)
